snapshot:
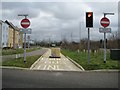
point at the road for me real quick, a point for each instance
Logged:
(13, 78)
(62, 63)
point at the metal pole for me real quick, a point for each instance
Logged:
(79, 35)
(28, 42)
(25, 15)
(88, 45)
(104, 47)
(25, 48)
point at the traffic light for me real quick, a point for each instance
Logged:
(106, 40)
(100, 41)
(89, 19)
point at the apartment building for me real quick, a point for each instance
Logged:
(14, 36)
(4, 34)
(0, 34)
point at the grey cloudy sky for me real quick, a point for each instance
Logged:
(58, 20)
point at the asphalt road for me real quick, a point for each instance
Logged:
(13, 78)
(62, 63)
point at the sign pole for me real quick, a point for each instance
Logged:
(25, 23)
(88, 45)
(104, 47)
(25, 48)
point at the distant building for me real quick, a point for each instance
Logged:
(0, 34)
(4, 34)
(15, 37)
(10, 35)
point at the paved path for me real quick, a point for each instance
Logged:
(46, 63)
(36, 52)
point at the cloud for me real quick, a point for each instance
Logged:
(10, 10)
(56, 19)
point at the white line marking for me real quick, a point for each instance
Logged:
(38, 67)
(44, 67)
(26, 23)
(57, 67)
(52, 67)
(53, 62)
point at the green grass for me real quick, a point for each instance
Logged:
(96, 60)
(19, 62)
(17, 51)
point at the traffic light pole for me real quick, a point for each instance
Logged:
(88, 45)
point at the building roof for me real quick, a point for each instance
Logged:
(11, 25)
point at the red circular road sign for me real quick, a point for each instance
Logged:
(105, 22)
(25, 23)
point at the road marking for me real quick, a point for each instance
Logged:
(44, 67)
(38, 67)
(57, 62)
(49, 58)
(52, 67)
(53, 62)
(59, 59)
(57, 67)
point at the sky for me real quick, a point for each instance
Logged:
(57, 20)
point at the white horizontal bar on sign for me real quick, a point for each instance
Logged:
(25, 23)
(105, 22)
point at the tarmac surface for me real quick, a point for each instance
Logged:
(62, 63)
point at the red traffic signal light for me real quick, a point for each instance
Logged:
(89, 14)
(89, 19)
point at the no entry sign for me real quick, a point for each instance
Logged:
(105, 22)
(25, 23)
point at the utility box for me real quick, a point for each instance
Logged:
(115, 54)
(55, 53)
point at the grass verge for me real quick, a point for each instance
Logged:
(96, 60)
(19, 62)
(17, 51)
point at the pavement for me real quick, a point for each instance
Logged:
(61, 64)
(36, 52)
